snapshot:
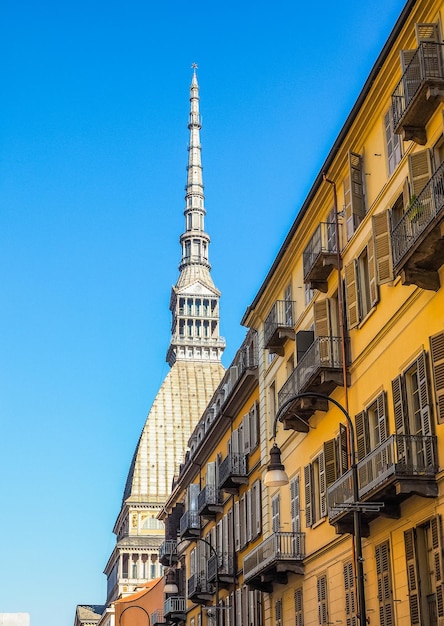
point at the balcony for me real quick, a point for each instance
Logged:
(418, 237)
(402, 466)
(221, 568)
(279, 325)
(209, 502)
(273, 559)
(158, 618)
(174, 609)
(200, 591)
(233, 472)
(168, 552)
(419, 93)
(190, 525)
(319, 370)
(320, 256)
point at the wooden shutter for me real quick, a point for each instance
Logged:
(437, 354)
(382, 247)
(437, 555)
(420, 169)
(412, 576)
(382, 416)
(295, 505)
(382, 557)
(427, 31)
(298, 607)
(355, 209)
(236, 526)
(321, 312)
(275, 513)
(351, 293)
(278, 612)
(308, 496)
(256, 504)
(349, 588)
(247, 434)
(399, 409)
(322, 600)
(211, 474)
(411, 73)
(343, 449)
(249, 515)
(238, 606)
(424, 402)
(322, 485)
(362, 436)
(243, 520)
(373, 286)
(331, 462)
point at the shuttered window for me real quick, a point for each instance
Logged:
(385, 594)
(382, 247)
(372, 426)
(322, 600)
(354, 194)
(315, 490)
(350, 594)
(393, 143)
(361, 287)
(420, 169)
(298, 607)
(275, 513)
(295, 506)
(437, 357)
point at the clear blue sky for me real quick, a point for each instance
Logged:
(93, 119)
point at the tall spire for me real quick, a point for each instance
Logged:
(194, 299)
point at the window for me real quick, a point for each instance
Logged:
(321, 473)
(393, 143)
(424, 562)
(298, 607)
(288, 315)
(276, 513)
(371, 426)
(295, 506)
(385, 594)
(247, 516)
(360, 285)
(350, 594)
(437, 356)
(322, 600)
(413, 420)
(354, 194)
(278, 612)
(309, 294)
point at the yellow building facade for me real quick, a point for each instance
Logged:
(351, 316)
(343, 369)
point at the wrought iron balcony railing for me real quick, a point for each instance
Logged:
(157, 617)
(425, 66)
(167, 551)
(198, 584)
(175, 605)
(277, 548)
(281, 317)
(324, 353)
(189, 524)
(234, 466)
(399, 457)
(220, 566)
(319, 256)
(423, 211)
(208, 498)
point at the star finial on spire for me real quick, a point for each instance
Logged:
(194, 66)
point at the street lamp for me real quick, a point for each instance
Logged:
(276, 476)
(135, 606)
(170, 586)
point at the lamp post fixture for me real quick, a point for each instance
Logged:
(135, 606)
(276, 476)
(170, 586)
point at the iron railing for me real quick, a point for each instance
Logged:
(210, 495)
(422, 211)
(282, 315)
(277, 547)
(220, 565)
(234, 464)
(157, 617)
(426, 64)
(322, 242)
(175, 604)
(324, 352)
(198, 583)
(167, 549)
(400, 456)
(190, 520)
